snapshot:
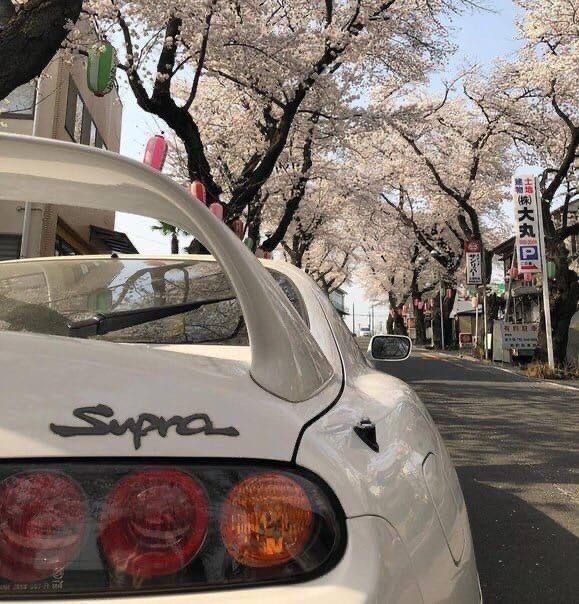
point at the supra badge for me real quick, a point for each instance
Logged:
(197, 423)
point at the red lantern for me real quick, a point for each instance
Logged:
(156, 152)
(198, 191)
(266, 255)
(238, 227)
(217, 210)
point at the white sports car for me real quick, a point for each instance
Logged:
(204, 429)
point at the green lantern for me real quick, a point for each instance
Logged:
(100, 68)
(249, 243)
(551, 269)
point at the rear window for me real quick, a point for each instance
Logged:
(127, 300)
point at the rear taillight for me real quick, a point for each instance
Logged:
(266, 520)
(153, 523)
(112, 528)
(43, 517)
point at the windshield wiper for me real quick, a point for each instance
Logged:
(103, 323)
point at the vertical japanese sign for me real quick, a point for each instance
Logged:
(474, 271)
(527, 224)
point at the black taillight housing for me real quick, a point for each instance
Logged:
(107, 526)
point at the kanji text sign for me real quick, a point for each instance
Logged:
(473, 253)
(526, 200)
(520, 335)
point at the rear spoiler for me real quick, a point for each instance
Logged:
(286, 360)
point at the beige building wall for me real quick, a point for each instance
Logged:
(60, 83)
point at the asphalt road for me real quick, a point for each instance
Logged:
(515, 444)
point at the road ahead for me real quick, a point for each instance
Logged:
(515, 443)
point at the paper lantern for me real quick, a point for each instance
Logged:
(100, 68)
(249, 243)
(156, 152)
(217, 210)
(198, 191)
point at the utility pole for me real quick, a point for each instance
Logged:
(485, 313)
(441, 318)
(27, 220)
(546, 298)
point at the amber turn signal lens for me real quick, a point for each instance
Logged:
(266, 520)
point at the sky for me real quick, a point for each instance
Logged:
(480, 37)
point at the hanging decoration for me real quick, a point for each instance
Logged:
(198, 191)
(217, 210)
(249, 243)
(156, 152)
(100, 68)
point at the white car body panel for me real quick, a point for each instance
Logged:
(51, 376)
(407, 528)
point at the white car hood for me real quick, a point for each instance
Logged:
(60, 397)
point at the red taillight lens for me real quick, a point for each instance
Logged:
(154, 523)
(109, 527)
(266, 520)
(42, 524)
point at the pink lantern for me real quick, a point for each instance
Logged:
(420, 305)
(217, 210)
(475, 302)
(198, 191)
(238, 227)
(527, 277)
(415, 302)
(156, 152)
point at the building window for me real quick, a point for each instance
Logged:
(79, 119)
(71, 99)
(79, 122)
(10, 247)
(99, 142)
(62, 248)
(20, 103)
(93, 134)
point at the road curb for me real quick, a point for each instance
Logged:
(511, 370)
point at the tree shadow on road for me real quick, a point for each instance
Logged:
(523, 556)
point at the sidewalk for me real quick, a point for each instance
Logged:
(513, 369)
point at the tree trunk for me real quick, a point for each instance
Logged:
(449, 335)
(31, 38)
(564, 297)
(174, 244)
(395, 324)
(420, 327)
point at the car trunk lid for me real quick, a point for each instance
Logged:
(64, 397)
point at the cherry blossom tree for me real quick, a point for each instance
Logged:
(31, 33)
(281, 55)
(438, 168)
(540, 91)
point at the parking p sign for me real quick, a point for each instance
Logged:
(527, 224)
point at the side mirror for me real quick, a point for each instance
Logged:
(389, 348)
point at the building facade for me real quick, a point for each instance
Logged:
(61, 106)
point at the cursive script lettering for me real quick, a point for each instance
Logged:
(197, 423)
